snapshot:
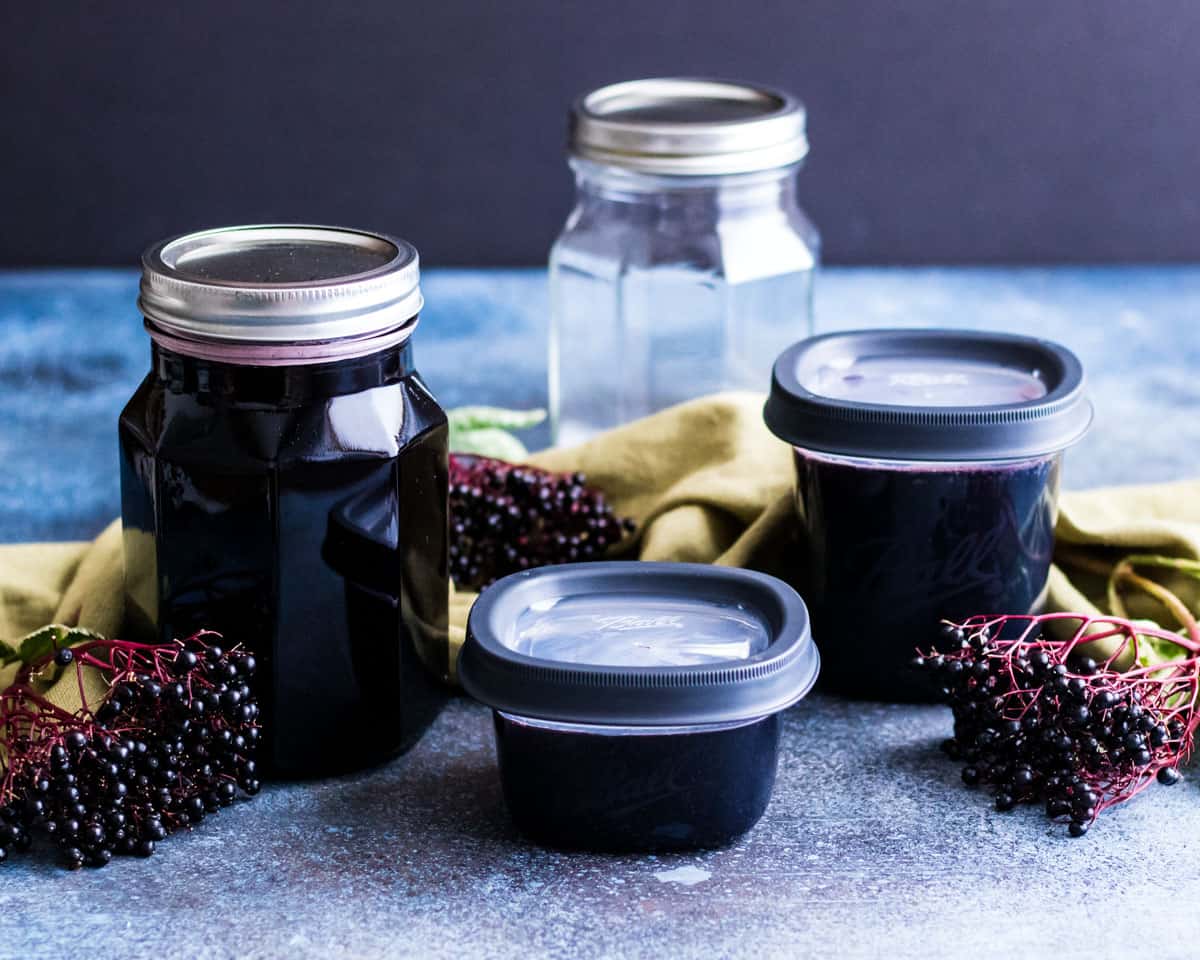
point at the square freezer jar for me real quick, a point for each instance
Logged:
(283, 482)
(637, 705)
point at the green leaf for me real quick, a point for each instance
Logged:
(490, 442)
(44, 641)
(486, 431)
(480, 418)
(1155, 651)
(1184, 565)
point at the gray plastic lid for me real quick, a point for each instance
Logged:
(948, 395)
(639, 644)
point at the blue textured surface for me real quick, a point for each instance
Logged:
(870, 845)
(72, 350)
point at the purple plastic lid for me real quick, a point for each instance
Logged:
(949, 395)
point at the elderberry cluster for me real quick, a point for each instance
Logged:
(505, 518)
(1038, 730)
(158, 756)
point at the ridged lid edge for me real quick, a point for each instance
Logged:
(515, 683)
(1015, 431)
(375, 301)
(776, 138)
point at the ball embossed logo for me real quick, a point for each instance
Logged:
(626, 622)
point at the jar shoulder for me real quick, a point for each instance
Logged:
(701, 231)
(779, 243)
(139, 420)
(378, 422)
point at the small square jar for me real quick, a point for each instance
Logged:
(927, 472)
(637, 705)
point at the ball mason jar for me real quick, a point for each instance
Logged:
(686, 265)
(927, 478)
(284, 482)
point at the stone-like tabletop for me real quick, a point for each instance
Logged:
(870, 847)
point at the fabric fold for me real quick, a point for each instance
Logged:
(705, 481)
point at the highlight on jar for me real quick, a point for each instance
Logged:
(927, 477)
(637, 706)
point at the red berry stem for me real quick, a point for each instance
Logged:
(171, 739)
(1039, 720)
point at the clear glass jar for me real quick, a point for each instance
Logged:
(687, 264)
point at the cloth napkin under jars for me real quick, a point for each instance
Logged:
(706, 482)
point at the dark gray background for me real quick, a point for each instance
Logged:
(943, 131)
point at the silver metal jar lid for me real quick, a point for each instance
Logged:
(289, 288)
(691, 127)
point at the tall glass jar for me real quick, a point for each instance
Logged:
(686, 265)
(284, 482)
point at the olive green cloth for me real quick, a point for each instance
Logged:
(1109, 523)
(705, 481)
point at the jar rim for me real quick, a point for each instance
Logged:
(272, 354)
(689, 126)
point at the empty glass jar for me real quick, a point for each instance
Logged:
(686, 265)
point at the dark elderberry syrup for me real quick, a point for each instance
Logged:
(616, 788)
(888, 551)
(292, 494)
(927, 472)
(637, 705)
